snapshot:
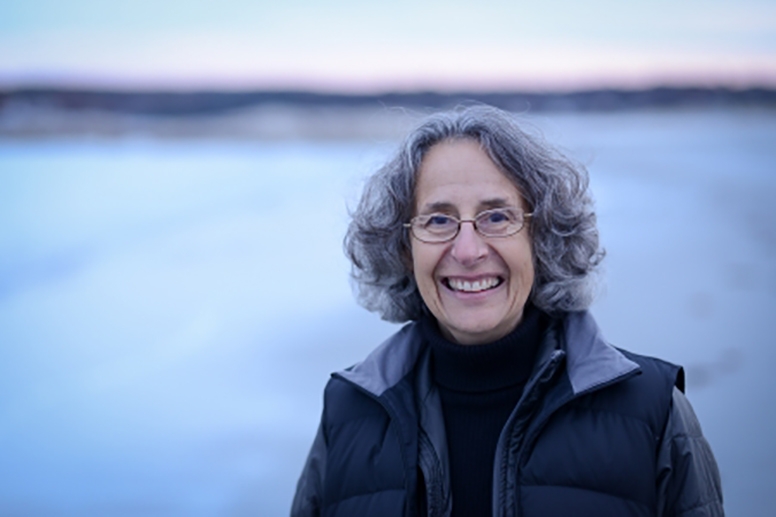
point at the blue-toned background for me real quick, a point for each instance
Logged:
(170, 309)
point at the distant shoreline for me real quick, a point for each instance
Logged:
(183, 103)
(45, 112)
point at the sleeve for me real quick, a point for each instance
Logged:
(688, 478)
(309, 489)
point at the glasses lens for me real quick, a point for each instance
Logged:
(499, 222)
(434, 227)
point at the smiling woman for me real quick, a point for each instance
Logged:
(501, 392)
(476, 287)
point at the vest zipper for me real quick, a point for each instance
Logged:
(505, 471)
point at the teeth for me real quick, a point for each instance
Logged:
(479, 285)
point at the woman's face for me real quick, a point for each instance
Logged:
(475, 286)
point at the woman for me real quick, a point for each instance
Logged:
(500, 397)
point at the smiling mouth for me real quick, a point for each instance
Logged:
(477, 286)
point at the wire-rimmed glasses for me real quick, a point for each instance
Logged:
(439, 227)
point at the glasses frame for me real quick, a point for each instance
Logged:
(525, 215)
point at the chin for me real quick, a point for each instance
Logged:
(475, 334)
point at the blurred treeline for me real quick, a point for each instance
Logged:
(32, 113)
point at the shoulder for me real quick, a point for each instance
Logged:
(655, 383)
(593, 363)
(607, 378)
(363, 388)
(656, 369)
(387, 364)
(643, 395)
(649, 394)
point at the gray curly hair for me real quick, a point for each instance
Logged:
(563, 227)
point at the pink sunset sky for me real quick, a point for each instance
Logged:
(348, 45)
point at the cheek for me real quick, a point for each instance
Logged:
(416, 267)
(424, 261)
(420, 266)
(530, 271)
(525, 263)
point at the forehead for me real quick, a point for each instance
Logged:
(461, 175)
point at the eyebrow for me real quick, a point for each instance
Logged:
(439, 206)
(447, 207)
(496, 202)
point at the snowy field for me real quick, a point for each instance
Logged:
(170, 310)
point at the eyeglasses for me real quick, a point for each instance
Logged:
(499, 222)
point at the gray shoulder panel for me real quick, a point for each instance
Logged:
(590, 359)
(388, 363)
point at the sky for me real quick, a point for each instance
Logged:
(356, 45)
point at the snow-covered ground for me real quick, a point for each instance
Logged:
(170, 310)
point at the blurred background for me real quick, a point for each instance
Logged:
(175, 180)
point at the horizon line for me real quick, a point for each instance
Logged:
(86, 88)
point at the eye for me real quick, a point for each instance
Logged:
(438, 220)
(496, 217)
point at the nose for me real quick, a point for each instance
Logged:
(469, 247)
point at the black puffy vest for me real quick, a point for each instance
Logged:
(592, 454)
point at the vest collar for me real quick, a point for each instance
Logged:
(590, 361)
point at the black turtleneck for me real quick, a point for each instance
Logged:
(479, 386)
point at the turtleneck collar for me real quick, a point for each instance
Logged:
(504, 363)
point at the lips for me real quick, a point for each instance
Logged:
(472, 286)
